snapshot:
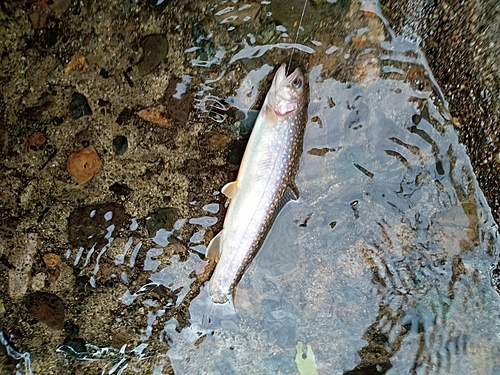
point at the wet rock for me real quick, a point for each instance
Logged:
(89, 224)
(320, 151)
(119, 339)
(51, 37)
(156, 115)
(47, 308)
(120, 145)
(215, 140)
(269, 34)
(79, 106)
(47, 9)
(84, 164)
(74, 347)
(163, 218)
(38, 281)
(77, 63)
(154, 51)
(35, 141)
(51, 259)
(206, 48)
(177, 107)
(120, 189)
(236, 151)
(124, 117)
(22, 263)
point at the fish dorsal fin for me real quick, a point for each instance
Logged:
(213, 249)
(289, 195)
(270, 116)
(230, 189)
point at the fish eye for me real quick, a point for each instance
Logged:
(297, 83)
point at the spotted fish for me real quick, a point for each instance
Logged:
(263, 183)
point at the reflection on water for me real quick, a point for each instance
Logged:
(381, 266)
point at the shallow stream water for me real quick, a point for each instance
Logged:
(383, 264)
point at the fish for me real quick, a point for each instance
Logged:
(265, 182)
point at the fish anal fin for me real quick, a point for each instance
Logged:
(214, 247)
(230, 189)
(270, 116)
(289, 195)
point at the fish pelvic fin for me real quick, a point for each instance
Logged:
(214, 247)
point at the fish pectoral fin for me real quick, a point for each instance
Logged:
(270, 116)
(230, 189)
(213, 249)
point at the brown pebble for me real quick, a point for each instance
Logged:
(359, 40)
(455, 121)
(47, 308)
(216, 140)
(36, 140)
(156, 115)
(78, 62)
(51, 259)
(84, 164)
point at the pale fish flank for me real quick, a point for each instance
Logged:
(263, 183)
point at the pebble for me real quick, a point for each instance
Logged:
(154, 51)
(156, 115)
(216, 140)
(79, 106)
(35, 141)
(84, 164)
(163, 218)
(51, 259)
(47, 308)
(77, 63)
(124, 117)
(22, 262)
(120, 145)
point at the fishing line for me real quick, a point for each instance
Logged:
(298, 31)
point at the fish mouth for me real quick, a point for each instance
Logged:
(282, 79)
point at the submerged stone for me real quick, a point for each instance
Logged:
(154, 51)
(163, 218)
(47, 308)
(84, 164)
(89, 225)
(206, 48)
(79, 106)
(120, 145)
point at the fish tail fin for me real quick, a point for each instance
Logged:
(205, 315)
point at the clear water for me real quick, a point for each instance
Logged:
(382, 265)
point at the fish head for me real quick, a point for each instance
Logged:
(286, 92)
